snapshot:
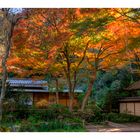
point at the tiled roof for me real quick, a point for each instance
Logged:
(29, 85)
(27, 82)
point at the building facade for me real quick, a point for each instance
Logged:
(131, 105)
(39, 93)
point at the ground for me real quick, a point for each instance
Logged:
(114, 127)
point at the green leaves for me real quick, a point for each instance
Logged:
(115, 85)
(90, 25)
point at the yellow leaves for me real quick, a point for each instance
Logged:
(118, 12)
(115, 12)
(78, 54)
(86, 39)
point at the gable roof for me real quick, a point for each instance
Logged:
(134, 86)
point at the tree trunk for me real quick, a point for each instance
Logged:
(57, 93)
(88, 93)
(70, 100)
(0, 110)
(8, 27)
(3, 85)
(4, 74)
(70, 93)
(8, 24)
(71, 97)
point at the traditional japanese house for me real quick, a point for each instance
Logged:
(131, 105)
(39, 92)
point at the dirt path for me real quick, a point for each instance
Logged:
(114, 127)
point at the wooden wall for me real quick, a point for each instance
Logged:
(137, 109)
(46, 99)
(132, 108)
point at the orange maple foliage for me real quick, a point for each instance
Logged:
(37, 39)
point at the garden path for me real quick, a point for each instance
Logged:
(114, 127)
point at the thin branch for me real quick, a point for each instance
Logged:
(111, 54)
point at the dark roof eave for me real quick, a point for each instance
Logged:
(39, 91)
(130, 89)
(130, 99)
(30, 90)
(134, 86)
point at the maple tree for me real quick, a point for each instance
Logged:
(109, 33)
(128, 30)
(38, 41)
(64, 41)
(42, 42)
(70, 58)
(41, 39)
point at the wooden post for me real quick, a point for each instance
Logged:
(33, 99)
(134, 109)
(66, 99)
(126, 107)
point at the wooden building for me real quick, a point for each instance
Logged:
(131, 105)
(38, 92)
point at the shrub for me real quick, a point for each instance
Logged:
(9, 105)
(63, 125)
(51, 126)
(52, 112)
(122, 118)
(36, 115)
(42, 127)
(7, 118)
(4, 129)
(27, 127)
(92, 113)
(58, 108)
(56, 111)
(86, 116)
(56, 124)
(99, 117)
(74, 120)
(33, 119)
